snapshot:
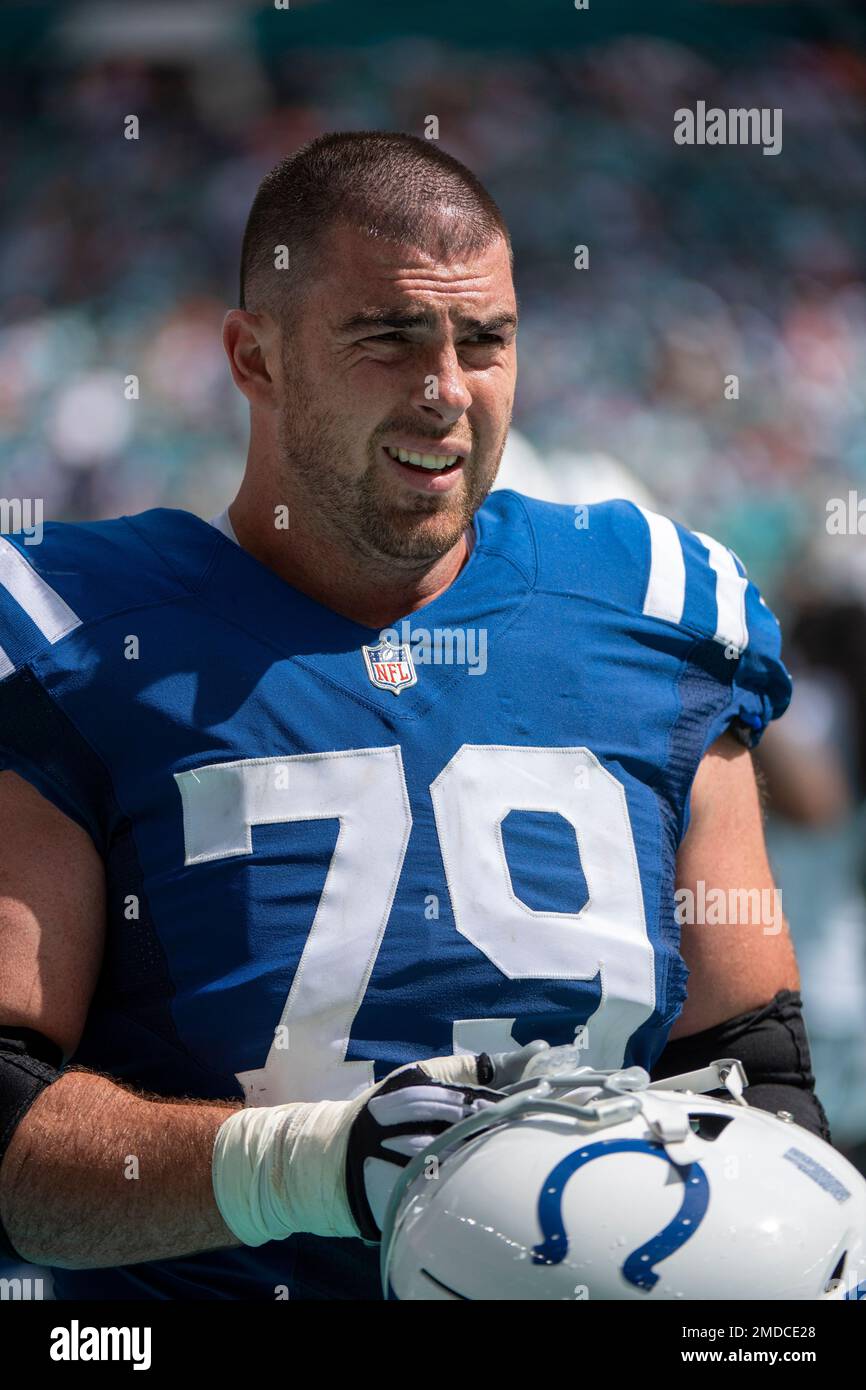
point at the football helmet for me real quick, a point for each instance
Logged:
(582, 1184)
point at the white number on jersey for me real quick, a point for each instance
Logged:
(365, 790)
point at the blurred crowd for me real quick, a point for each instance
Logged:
(119, 258)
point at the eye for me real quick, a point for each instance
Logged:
(486, 344)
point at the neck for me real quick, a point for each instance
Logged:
(372, 591)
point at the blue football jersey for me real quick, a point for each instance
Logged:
(330, 851)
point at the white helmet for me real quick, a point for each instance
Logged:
(550, 1194)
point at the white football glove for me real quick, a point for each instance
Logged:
(328, 1167)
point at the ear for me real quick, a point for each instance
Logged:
(251, 342)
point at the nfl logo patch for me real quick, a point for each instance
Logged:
(390, 668)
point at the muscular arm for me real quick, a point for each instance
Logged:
(95, 1174)
(736, 967)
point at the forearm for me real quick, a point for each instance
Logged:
(98, 1175)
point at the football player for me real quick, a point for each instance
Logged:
(319, 818)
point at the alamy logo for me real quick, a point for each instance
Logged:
(441, 646)
(21, 1290)
(77, 1343)
(22, 514)
(737, 126)
(734, 907)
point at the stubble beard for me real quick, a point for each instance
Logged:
(363, 510)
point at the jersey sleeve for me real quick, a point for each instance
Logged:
(761, 688)
(700, 585)
(38, 741)
(748, 635)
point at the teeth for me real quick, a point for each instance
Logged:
(433, 461)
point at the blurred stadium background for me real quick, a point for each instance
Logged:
(120, 256)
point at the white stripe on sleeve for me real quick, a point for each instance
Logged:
(666, 590)
(731, 627)
(42, 604)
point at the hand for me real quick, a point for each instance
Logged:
(327, 1167)
(401, 1118)
(409, 1109)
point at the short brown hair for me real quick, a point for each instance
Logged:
(394, 186)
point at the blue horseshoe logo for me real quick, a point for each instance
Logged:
(638, 1268)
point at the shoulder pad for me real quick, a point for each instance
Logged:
(78, 574)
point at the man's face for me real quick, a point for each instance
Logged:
(396, 351)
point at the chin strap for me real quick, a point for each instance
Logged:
(726, 1074)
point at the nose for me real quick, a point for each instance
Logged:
(441, 392)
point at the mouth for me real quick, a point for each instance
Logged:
(427, 472)
(431, 463)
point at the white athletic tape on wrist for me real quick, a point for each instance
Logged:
(281, 1170)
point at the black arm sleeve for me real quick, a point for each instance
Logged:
(28, 1063)
(772, 1044)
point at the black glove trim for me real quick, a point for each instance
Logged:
(367, 1136)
